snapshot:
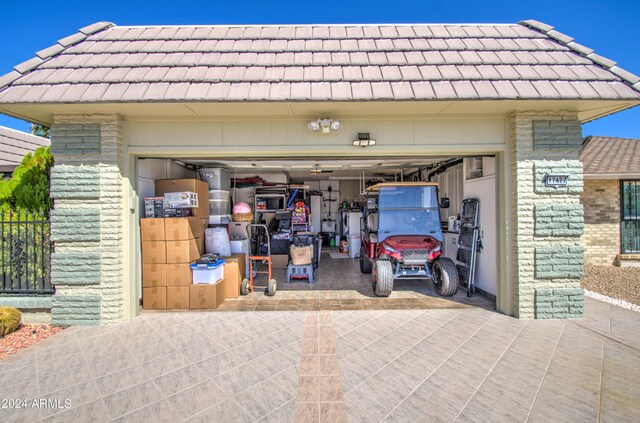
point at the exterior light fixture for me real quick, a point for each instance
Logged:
(324, 124)
(364, 140)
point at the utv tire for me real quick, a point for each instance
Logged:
(244, 287)
(382, 278)
(271, 287)
(445, 276)
(365, 263)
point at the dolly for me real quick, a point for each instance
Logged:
(247, 284)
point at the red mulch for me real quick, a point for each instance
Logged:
(25, 336)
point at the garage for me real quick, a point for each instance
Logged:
(506, 100)
(330, 199)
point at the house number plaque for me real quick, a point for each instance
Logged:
(556, 180)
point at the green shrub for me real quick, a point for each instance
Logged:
(28, 188)
(9, 320)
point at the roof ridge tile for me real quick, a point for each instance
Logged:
(72, 39)
(542, 27)
(626, 75)
(559, 36)
(28, 65)
(586, 52)
(50, 52)
(95, 27)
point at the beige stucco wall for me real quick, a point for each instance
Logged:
(601, 200)
(260, 137)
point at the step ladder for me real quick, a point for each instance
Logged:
(468, 244)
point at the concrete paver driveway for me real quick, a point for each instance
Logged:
(360, 365)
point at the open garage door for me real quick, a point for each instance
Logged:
(325, 203)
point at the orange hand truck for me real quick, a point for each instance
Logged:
(247, 284)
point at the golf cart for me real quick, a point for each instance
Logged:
(402, 237)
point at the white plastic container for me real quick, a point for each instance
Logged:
(218, 207)
(218, 194)
(239, 246)
(216, 177)
(210, 273)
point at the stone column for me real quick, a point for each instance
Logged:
(86, 221)
(548, 256)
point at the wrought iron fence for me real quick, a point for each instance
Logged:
(630, 219)
(25, 254)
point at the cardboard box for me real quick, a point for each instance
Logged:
(201, 245)
(301, 255)
(181, 228)
(192, 185)
(154, 207)
(178, 274)
(154, 275)
(279, 261)
(184, 251)
(179, 212)
(234, 272)
(152, 229)
(178, 297)
(154, 298)
(204, 296)
(180, 199)
(154, 252)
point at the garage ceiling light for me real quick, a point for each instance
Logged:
(272, 166)
(316, 170)
(324, 124)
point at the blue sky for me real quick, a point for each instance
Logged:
(608, 27)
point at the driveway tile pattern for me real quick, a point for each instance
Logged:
(344, 365)
(417, 365)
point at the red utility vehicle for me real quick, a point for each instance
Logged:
(402, 237)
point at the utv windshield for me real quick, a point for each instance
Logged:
(408, 210)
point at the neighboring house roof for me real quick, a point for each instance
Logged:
(14, 145)
(611, 156)
(105, 63)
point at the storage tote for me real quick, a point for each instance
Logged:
(209, 273)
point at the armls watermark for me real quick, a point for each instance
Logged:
(49, 403)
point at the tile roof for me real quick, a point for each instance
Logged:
(14, 145)
(610, 156)
(106, 63)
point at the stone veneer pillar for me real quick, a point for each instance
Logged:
(548, 256)
(86, 221)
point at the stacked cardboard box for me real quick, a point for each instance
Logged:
(169, 246)
(164, 186)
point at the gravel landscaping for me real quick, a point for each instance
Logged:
(622, 283)
(25, 336)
